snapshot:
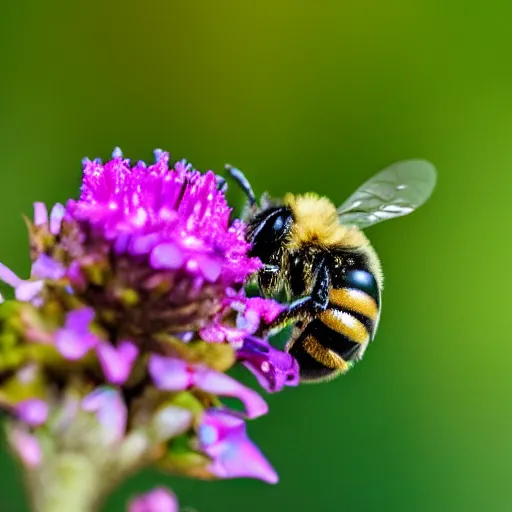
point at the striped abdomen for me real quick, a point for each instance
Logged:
(341, 333)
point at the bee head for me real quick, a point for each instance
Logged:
(268, 231)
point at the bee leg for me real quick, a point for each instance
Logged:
(306, 308)
(321, 288)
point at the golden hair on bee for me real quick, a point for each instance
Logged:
(316, 222)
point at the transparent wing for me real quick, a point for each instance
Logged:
(395, 191)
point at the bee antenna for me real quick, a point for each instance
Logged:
(243, 183)
(222, 184)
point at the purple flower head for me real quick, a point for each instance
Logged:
(120, 340)
(177, 217)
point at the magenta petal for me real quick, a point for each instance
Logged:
(26, 447)
(110, 409)
(214, 333)
(267, 309)
(122, 243)
(243, 459)
(33, 412)
(80, 319)
(158, 500)
(9, 277)
(117, 362)
(46, 267)
(73, 345)
(249, 321)
(169, 255)
(27, 291)
(223, 438)
(273, 368)
(74, 340)
(56, 216)
(224, 385)
(76, 276)
(210, 267)
(144, 244)
(40, 214)
(170, 374)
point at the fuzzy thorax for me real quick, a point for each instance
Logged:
(317, 223)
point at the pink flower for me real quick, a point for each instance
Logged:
(224, 439)
(33, 411)
(176, 375)
(157, 500)
(134, 310)
(177, 217)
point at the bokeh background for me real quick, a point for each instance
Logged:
(308, 96)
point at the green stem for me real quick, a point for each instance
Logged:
(67, 482)
(75, 472)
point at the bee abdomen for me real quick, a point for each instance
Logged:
(322, 352)
(356, 303)
(335, 337)
(341, 333)
(338, 335)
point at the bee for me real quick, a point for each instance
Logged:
(319, 256)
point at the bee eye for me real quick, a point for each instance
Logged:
(266, 232)
(278, 224)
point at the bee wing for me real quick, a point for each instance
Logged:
(395, 191)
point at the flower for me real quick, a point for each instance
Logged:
(74, 340)
(33, 412)
(273, 368)
(176, 217)
(157, 500)
(26, 447)
(223, 438)
(118, 343)
(108, 405)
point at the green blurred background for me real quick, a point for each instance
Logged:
(308, 96)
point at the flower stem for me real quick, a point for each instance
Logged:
(67, 482)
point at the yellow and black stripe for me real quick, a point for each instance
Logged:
(341, 333)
